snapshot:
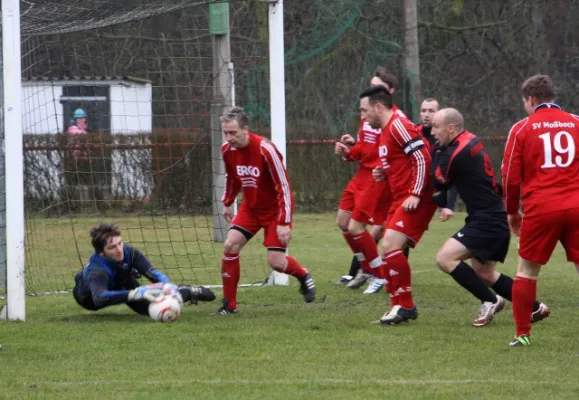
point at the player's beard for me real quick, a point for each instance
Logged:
(375, 123)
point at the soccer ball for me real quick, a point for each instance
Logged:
(165, 309)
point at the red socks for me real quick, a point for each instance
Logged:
(397, 272)
(355, 244)
(230, 275)
(294, 268)
(524, 295)
(351, 242)
(368, 247)
(230, 278)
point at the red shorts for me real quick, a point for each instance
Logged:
(363, 197)
(541, 232)
(412, 224)
(249, 222)
(373, 207)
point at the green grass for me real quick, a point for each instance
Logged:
(281, 348)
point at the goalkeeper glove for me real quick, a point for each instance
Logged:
(172, 290)
(146, 292)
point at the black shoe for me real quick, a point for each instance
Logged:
(225, 310)
(542, 313)
(359, 280)
(308, 288)
(199, 293)
(398, 315)
(344, 280)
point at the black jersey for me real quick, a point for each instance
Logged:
(465, 165)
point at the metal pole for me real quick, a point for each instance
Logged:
(219, 28)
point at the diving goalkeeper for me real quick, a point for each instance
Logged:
(111, 275)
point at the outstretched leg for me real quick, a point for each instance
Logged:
(450, 259)
(278, 260)
(503, 286)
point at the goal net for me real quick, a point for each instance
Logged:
(120, 103)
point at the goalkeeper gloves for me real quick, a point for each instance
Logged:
(172, 290)
(146, 292)
(151, 292)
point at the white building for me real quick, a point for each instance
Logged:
(49, 103)
(119, 105)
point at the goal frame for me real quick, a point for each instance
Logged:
(11, 154)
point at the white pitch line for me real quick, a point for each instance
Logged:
(421, 271)
(401, 382)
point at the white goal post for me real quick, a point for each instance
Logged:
(14, 161)
(277, 94)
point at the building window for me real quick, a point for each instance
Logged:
(94, 100)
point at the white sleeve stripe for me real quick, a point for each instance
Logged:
(227, 190)
(282, 177)
(421, 163)
(512, 151)
(402, 130)
(279, 168)
(394, 135)
(421, 171)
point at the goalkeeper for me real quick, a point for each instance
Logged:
(111, 276)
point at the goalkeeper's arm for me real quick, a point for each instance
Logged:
(103, 297)
(144, 267)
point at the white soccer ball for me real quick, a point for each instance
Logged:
(165, 309)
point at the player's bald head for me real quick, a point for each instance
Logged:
(451, 116)
(447, 124)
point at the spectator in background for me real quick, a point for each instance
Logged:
(78, 125)
(428, 108)
(78, 166)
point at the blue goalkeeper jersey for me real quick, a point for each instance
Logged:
(109, 281)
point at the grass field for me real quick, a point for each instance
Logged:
(278, 347)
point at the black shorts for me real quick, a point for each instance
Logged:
(487, 239)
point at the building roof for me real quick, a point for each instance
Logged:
(95, 78)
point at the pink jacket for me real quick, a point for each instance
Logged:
(77, 130)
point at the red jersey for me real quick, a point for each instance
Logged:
(541, 156)
(258, 170)
(365, 151)
(398, 111)
(405, 158)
